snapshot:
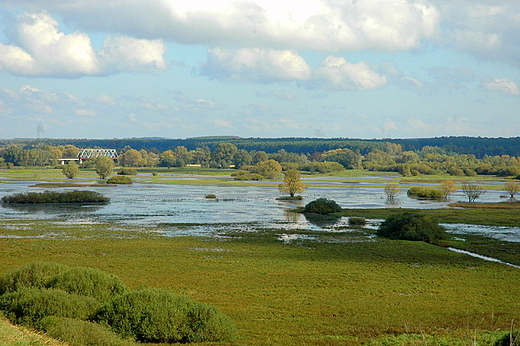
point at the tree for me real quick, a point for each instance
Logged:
(472, 191)
(292, 183)
(130, 158)
(448, 188)
(242, 158)
(70, 170)
(223, 154)
(348, 158)
(167, 159)
(268, 169)
(391, 191)
(511, 188)
(104, 166)
(14, 155)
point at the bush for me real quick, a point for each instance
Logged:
(410, 226)
(119, 179)
(89, 282)
(29, 305)
(425, 192)
(357, 221)
(160, 316)
(509, 339)
(77, 332)
(322, 206)
(72, 197)
(211, 196)
(35, 275)
(127, 171)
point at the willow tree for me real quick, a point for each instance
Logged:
(292, 183)
(70, 170)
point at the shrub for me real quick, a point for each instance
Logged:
(509, 339)
(76, 197)
(410, 226)
(29, 305)
(211, 196)
(357, 221)
(89, 282)
(127, 171)
(425, 192)
(77, 332)
(119, 179)
(160, 316)
(35, 275)
(322, 206)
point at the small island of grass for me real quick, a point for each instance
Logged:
(53, 197)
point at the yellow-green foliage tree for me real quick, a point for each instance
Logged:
(70, 170)
(292, 183)
(268, 169)
(104, 166)
(448, 188)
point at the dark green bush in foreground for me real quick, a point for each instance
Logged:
(119, 179)
(160, 316)
(74, 197)
(68, 302)
(509, 339)
(410, 226)
(322, 206)
(89, 282)
(29, 305)
(33, 275)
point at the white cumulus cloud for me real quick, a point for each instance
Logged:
(335, 73)
(43, 50)
(256, 65)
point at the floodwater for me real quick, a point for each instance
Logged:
(243, 208)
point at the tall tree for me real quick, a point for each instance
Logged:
(448, 188)
(70, 170)
(104, 166)
(292, 183)
(472, 191)
(511, 188)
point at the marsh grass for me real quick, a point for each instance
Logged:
(311, 292)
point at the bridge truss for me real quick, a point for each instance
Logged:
(86, 154)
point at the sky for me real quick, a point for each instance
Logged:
(259, 68)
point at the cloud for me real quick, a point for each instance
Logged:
(272, 66)
(319, 25)
(502, 86)
(43, 50)
(335, 73)
(255, 65)
(486, 29)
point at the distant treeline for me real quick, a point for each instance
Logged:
(478, 146)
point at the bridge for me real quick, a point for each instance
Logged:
(87, 154)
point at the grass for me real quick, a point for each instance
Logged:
(345, 292)
(11, 335)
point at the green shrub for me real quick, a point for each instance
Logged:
(410, 226)
(425, 192)
(127, 171)
(509, 339)
(322, 206)
(29, 305)
(119, 179)
(211, 196)
(89, 282)
(160, 316)
(357, 221)
(77, 332)
(35, 275)
(76, 197)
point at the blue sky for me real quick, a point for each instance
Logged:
(259, 68)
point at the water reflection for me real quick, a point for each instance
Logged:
(54, 209)
(322, 221)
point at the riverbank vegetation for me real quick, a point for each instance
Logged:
(53, 197)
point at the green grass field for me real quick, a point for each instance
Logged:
(326, 288)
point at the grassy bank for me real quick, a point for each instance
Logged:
(344, 291)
